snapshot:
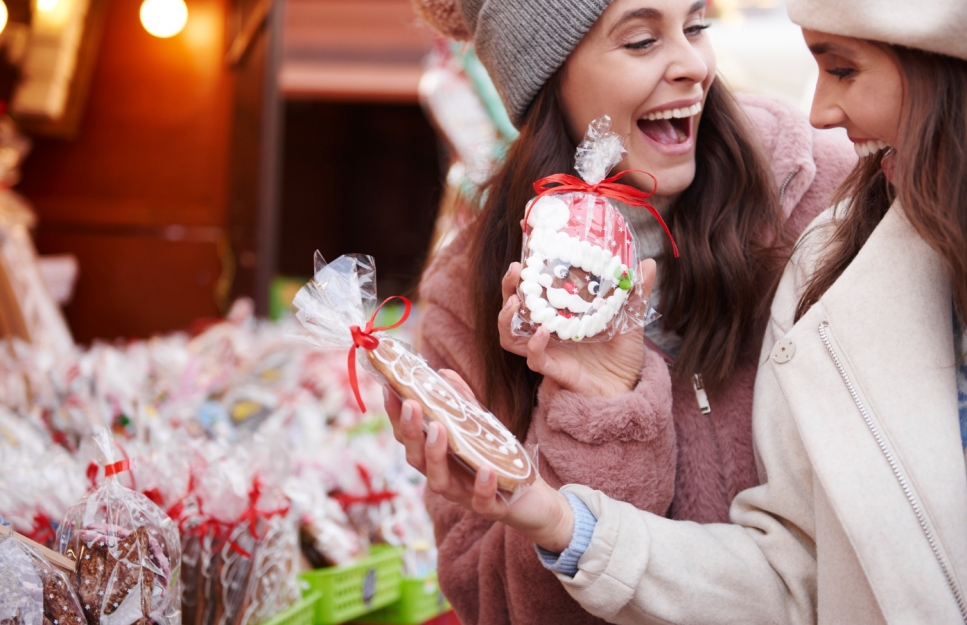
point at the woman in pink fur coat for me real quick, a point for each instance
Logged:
(660, 421)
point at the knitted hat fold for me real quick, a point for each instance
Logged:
(521, 43)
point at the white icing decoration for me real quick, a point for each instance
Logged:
(548, 212)
(472, 428)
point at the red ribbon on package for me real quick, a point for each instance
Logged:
(610, 188)
(363, 337)
(117, 467)
(371, 498)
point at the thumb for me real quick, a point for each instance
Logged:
(648, 270)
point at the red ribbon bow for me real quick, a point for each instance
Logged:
(610, 188)
(371, 498)
(363, 337)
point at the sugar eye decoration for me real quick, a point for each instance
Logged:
(561, 270)
(594, 285)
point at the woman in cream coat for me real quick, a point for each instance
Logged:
(861, 515)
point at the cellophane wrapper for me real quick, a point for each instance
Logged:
(341, 295)
(579, 276)
(240, 547)
(32, 590)
(128, 553)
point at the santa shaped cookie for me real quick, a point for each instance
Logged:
(579, 258)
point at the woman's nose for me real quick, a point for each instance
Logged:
(687, 64)
(826, 111)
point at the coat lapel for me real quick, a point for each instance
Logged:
(889, 321)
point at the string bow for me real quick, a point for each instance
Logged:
(363, 337)
(610, 188)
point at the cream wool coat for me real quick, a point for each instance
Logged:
(830, 535)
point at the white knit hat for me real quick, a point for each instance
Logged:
(933, 25)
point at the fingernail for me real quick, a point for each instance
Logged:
(433, 434)
(483, 474)
(508, 303)
(406, 414)
(508, 270)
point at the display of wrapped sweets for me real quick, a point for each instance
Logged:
(127, 550)
(338, 310)
(234, 425)
(579, 261)
(32, 590)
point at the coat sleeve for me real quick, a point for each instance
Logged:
(642, 568)
(623, 446)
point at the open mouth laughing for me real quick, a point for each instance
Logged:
(671, 129)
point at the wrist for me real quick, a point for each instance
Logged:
(558, 532)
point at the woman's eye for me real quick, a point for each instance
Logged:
(640, 45)
(594, 287)
(696, 30)
(841, 72)
(561, 271)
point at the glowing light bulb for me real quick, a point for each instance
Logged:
(163, 18)
(46, 6)
(3, 15)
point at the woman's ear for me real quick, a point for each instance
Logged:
(444, 17)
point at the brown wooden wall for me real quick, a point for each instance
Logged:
(140, 196)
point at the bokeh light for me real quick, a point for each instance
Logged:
(164, 18)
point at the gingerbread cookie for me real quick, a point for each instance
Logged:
(578, 262)
(475, 436)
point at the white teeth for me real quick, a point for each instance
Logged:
(868, 148)
(678, 113)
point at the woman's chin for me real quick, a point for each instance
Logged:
(672, 178)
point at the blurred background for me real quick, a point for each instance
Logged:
(187, 154)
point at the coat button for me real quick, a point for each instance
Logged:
(783, 351)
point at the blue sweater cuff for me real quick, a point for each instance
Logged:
(566, 562)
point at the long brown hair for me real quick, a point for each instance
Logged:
(728, 224)
(930, 176)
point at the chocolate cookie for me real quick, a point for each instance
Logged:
(475, 436)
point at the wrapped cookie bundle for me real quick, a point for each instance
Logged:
(127, 550)
(240, 544)
(579, 277)
(32, 590)
(337, 309)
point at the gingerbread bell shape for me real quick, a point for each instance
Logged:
(579, 277)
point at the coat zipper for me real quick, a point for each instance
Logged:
(785, 183)
(897, 472)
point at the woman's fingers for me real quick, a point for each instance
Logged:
(392, 404)
(459, 384)
(485, 501)
(411, 434)
(537, 358)
(647, 269)
(508, 285)
(513, 344)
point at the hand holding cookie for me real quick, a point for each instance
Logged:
(540, 512)
(591, 368)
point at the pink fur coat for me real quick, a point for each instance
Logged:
(652, 447)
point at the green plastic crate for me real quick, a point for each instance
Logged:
(351, 591)
(420, 600)
(301, 613)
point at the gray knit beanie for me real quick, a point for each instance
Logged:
(520, 42)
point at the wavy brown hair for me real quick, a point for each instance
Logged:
(929, 176)
(728, 225)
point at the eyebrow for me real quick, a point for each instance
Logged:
(826, 47)
(650, 13)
